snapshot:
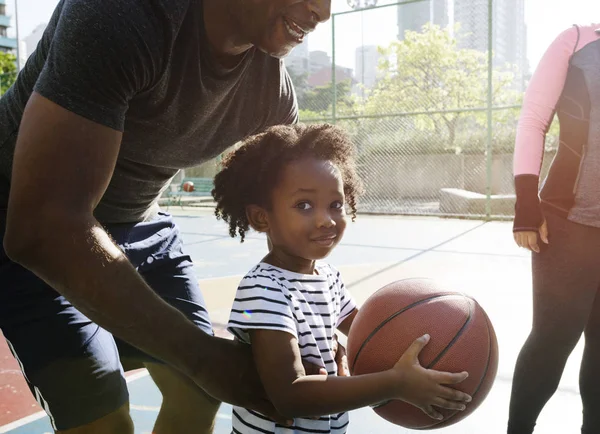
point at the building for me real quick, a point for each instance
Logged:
(317, 60)
(413, 16)
(6, 43)
(34, 38)
(324, 76)
(297, 62)
(509, 32)
(366, 63)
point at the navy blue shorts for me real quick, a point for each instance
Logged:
(73, 366)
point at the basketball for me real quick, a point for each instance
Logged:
(188, 186)
(462, 339)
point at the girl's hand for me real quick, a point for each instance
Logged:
(426, 388)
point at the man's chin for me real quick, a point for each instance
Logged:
(279, 52)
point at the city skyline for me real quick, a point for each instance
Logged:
(541, 28)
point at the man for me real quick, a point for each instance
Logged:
(117, 97)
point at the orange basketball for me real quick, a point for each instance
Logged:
(188, 186)
(462, 339)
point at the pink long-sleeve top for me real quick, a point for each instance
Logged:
(567, 82)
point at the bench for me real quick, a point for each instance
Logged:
(461, 202)
(202, 188)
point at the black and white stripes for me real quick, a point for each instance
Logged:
(309, 307)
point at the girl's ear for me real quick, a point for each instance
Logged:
(258, 218)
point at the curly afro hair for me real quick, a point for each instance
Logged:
(249, 173)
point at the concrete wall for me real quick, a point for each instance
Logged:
(392, 176)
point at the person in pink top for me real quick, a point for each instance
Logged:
(560, 224)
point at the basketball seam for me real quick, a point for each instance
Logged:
(487, 366)
(445, 350)
(385, 321)
(437, 359)
(454, 339)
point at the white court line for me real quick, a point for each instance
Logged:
(40, 414)
(157, 409)
(339, 267)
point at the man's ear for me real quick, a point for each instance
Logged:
(257, 217)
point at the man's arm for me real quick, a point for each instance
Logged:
(52, 232)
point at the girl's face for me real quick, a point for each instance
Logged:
(307, 216)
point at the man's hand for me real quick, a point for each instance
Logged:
(339, 353)
(340, 358)
(230, 376)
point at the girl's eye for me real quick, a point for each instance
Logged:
(304, 205)
(337, 204)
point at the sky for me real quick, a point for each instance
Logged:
(544, 19)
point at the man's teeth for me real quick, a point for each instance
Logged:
(292, 32)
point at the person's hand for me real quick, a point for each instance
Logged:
(312, 369)
(340, 358)
(339, 355)
(230, 375)
(528, 239)
(426, 388)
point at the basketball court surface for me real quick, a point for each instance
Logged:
(470, 256)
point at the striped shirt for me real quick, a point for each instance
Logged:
(310, 308)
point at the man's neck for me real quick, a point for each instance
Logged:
(222, 31)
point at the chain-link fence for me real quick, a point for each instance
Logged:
(430, 91)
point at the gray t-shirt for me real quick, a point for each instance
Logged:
(145, 68)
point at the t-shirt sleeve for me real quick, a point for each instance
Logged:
(101, 55)
(260, 303)
(289, 102)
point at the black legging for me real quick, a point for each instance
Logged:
(566, 282)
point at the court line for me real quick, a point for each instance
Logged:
(155, 409)
(416, 255)
(36, 416)
(41, 414)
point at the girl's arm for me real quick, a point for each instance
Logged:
(295, 394)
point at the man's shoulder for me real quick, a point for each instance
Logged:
(141, 15)
(275, 88)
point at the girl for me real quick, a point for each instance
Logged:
(294, 183)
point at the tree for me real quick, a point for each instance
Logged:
(320, 98)
(316, 102)
(8, 70)
(427, 72)
(300, 82)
